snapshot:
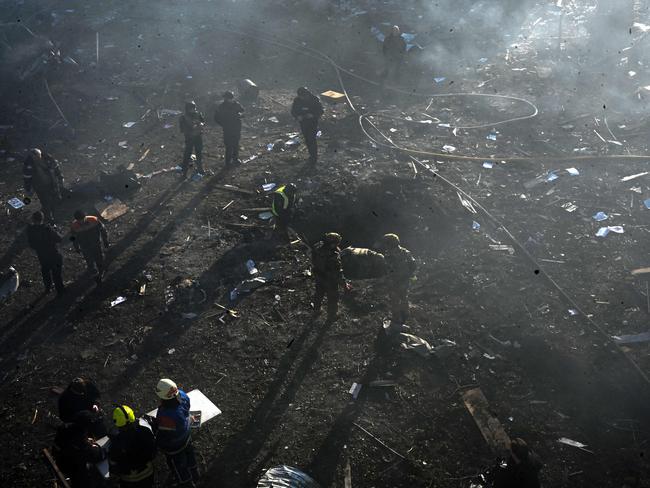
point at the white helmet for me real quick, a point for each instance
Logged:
(166, 389)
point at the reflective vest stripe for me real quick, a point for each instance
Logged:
(285, 203)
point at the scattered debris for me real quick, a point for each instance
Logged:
(111, 211)
(632, 177)
(286, 477)
(503, 247)
(16, 203)
(603, 231)
(118, 300)
(355, 389)
(632, 338)
(572, 443)
(417, 344)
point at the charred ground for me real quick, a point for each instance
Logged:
(282, 380)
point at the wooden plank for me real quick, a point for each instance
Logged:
(113, 210)
(56, 469)
(348, 474)
(639, 271)
(492, 430)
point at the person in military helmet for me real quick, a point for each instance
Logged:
(328, 274)
(191, 126)
(283, 207)
(133, 448)
(307, 110)
(42, 174)
(228, 116)
(400, 267)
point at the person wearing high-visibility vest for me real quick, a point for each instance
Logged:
(133, 450)
(284, 203)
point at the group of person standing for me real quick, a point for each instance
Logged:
(306, 108)
(327, 269)
(80, 442)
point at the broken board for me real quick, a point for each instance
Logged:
(333, 96)
(111, 211)
(492, 430)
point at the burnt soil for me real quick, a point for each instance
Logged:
(281, 378)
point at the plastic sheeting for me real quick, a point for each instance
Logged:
(286, 477)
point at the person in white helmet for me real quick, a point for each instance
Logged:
(174, 437)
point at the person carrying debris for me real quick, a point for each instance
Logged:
(76, 452)
(283, 207)
(42, 174)
(174, 437)
(87, 234)
(522, 468)
(328, 273)
(82, 395)
(400, 267)
(44, 239)
(133, 449)
(228, 116)
(191, 125)
(307, 110)
(394, 50)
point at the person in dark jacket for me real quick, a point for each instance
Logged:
(191, 126)
(328, 274)
(283, 207)
(75, 452)
(228, 116)
(42, 174)
(394, 50)
(44, 239)
(522, 468)
(87, 234)
(174, 436)
(133, 449)
(400, 267)
(82, 395)
(307, 110)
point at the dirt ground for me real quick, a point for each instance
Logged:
(530, 323)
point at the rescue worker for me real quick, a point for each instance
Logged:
(87, 234)
(328, 273)
(82, 395)
(191, 125)
(400, 267)
(307, 110)
(44, 239)
(174, 437)
(133, 450)
(283, 208)
(522, 469)
(394, 49)
(76, 452)
(42, 174)
(228, 116)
